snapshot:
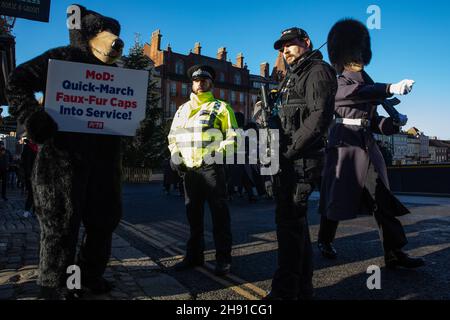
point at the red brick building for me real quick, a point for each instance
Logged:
(234, 83)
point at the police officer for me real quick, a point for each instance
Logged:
(200, 161)
(306, 110)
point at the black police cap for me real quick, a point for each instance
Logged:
(201, 72)
(290, 34)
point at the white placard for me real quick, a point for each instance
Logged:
(95, 99)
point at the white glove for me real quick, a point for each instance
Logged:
(402, 88)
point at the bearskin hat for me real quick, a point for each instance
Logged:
(349, 42)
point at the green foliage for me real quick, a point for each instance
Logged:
(148, 148)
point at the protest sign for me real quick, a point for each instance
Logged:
(95, 99)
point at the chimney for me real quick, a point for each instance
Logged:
(197, 48)
(240, 60)
(156, 41)
(264, 70)
(222, 54)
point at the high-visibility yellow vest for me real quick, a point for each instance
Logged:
(190, 134)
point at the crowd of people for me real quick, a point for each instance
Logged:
(15, 172)
(243, 180)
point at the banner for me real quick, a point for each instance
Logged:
(38, 10)
(95, 99)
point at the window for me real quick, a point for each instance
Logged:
(179, 67)
(173, 89)
(241, 98)
(184, 90)
(222, 94)
(233, 96)
(173, 108)
(222, 77)
(237, 79)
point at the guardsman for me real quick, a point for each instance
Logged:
(355, 178)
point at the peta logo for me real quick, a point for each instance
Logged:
(374, 281)
(73, 17)
(74, 280)
(95, 125)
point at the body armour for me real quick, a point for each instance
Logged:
(293, 108)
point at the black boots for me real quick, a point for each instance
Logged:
(187, 264)
(222, 269)
(48, 293)
(97, 286)
(301, 297)
(397, 258)
(327, 250)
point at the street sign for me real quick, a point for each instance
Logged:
(38, 10)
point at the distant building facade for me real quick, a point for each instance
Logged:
(233, 84)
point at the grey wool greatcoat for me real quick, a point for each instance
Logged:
(352, 152)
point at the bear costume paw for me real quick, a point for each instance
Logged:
(41, 127)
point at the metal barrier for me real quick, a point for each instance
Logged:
(420, 179)
(136, 175)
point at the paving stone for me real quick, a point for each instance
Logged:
(134, 274)
(128, 253)
(140, 264)
(6, 294)
(163, 287)
(120, 243)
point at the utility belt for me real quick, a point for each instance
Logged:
(365, 123)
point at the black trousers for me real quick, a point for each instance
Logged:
(71, 191)
(292, 188)
(4, 178)
(375, 198)
(29, 189)
(207, 184)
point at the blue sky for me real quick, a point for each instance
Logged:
(413, 41)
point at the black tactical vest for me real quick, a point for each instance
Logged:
(293, 109)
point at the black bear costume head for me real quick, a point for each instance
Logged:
(96, 34)
(349, 45)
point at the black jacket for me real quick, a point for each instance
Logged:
(27, 160)
(4, 162)
(306, 106)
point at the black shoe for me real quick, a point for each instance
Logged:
(327, 250)
(306, 292)
(98, 285)
(274, 297)
(398, 258)
(48, 293)
(74, 294)
(5, 198)
(222, 269)
(305, 297)
(187, 264)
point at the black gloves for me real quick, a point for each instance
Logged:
(41, 127)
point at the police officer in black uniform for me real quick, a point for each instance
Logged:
(306, 105)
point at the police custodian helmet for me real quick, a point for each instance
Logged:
(201, 72)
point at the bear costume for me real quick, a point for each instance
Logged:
(77, 177)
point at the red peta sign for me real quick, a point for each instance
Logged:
(95, 125)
